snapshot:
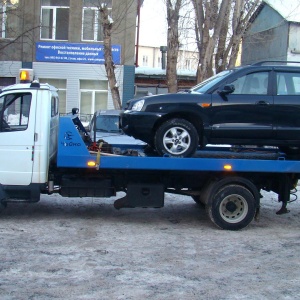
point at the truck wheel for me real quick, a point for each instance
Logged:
(176, 137)
(232, 207)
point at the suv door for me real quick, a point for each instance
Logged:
(287, 106)
(246, 112)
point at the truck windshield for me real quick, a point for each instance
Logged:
(205, 85)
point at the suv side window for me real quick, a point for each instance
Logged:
(253, 83)
(14, 111)
(288, 83)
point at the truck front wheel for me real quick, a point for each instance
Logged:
(232, 207)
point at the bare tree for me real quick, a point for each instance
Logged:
(219, 27)
(209, 21)
(227, 52)
(111, 27)
(243, 11)
(107, 25)
(173, 8)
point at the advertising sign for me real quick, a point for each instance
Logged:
(75, 53)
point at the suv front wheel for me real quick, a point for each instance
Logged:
(176, 137)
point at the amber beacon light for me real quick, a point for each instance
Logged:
(26, 75)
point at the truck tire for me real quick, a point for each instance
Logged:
(232, 207)
(177, 138)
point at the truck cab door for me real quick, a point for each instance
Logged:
(16, 137)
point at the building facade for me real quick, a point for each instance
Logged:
(62, 41)
(150, 75)
(152, 57)
(274, 32)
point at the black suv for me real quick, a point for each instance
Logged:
(257, 104)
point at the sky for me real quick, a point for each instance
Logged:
(289, 9)
(153, 26)
(153, 23)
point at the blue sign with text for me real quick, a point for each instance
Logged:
(75, 53)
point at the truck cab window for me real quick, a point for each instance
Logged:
(14, 111)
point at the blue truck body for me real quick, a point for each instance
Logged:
(73, 153)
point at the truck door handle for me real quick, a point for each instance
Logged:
(262, 103)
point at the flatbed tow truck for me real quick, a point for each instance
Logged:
(43, 153)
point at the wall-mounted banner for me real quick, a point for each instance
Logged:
(75, 53)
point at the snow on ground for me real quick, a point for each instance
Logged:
(66, 248)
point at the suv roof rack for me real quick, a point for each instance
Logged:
(264, 62)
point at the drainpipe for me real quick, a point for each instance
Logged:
(163, 50)
(137, 34)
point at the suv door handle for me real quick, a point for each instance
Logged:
(262, 102)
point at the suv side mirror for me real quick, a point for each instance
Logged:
(227, 89)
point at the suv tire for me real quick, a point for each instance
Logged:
(176, 137)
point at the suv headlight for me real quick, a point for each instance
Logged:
(137, 106)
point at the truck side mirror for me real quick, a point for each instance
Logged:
(75, 111)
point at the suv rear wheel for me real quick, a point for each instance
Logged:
(176, 137)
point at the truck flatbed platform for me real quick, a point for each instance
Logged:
(211, 159)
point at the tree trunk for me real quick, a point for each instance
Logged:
(173, 45)
(107, 25)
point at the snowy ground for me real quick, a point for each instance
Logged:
(85, 249)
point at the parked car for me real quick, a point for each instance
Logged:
(105, 126)
(257, 104)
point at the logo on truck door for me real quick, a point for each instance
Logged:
(68, 136)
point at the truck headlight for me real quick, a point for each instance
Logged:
(137, 106)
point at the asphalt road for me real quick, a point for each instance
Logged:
(64, 248)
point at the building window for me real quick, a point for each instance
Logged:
(55, 19)
(145, 60)
(91, 20)
(5, 81)
(188, 64)
(61, 85)
(93, 95)
(159, 62)
(9, 18)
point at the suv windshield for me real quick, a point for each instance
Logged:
(205, 85)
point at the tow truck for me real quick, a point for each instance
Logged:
(42, 152)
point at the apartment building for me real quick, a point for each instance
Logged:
(62, 41)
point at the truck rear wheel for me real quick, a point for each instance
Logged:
(231, 207)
